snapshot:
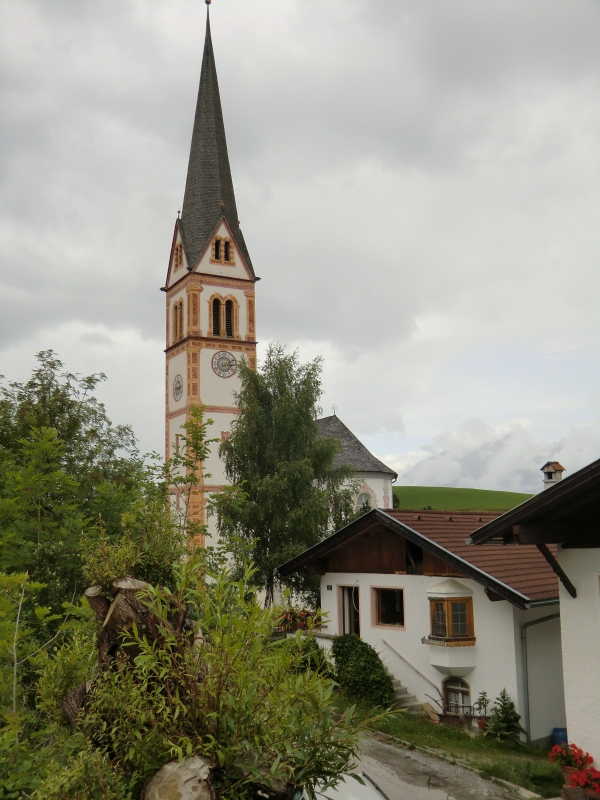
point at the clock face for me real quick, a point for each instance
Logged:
(177, 387)
(224, 364)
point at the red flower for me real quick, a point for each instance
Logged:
(588, 778)
(569, 755)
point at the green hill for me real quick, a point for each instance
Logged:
(445, 498)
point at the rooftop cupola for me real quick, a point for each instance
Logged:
(553, 472)
(209, 195)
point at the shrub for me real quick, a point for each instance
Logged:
(504, 722)
(360, 672)
(308, 654)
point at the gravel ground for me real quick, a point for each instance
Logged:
(411, 775)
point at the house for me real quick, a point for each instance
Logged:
(373, 477)
(561, 523)
(449, 619)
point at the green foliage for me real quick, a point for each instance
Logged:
(504, 722)
(308, 654)
(72, 663)
(63, 467)
(238, 698)
(286, 493)
(360, 672)
(88, 776)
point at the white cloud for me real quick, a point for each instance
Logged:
(417, 183)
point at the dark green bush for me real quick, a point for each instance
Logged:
(312, 655)
(360, 672)
(504, 723)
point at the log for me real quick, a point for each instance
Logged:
(188, 779)
(74, 702)
(106, 648)
(98, 602)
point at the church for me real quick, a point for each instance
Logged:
(211, 313)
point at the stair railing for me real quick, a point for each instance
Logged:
(418, 671)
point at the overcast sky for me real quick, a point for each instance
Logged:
(419, 188)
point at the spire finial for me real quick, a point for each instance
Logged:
(334, 409)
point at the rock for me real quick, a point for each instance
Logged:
(181, 780)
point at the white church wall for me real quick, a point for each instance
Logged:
(580, 628)
(378, 485)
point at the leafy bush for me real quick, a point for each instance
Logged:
(237, 698)
(360, 672)
(308, 654)
(71, 664)
(504, 722)
(89, 776)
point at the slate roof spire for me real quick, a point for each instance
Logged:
(209, 194)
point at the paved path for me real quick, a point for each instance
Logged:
(411, 775)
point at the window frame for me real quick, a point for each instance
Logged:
(222, 244)
(467, 708)
(451, 636)
(375, 608)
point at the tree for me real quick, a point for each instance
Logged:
(286, 494)
(504, 722)
(65, 471)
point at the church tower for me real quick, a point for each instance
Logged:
(209, 290)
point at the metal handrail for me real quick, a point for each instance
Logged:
(418, 671)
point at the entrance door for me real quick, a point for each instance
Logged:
(350, 610)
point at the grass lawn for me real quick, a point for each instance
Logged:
(527, 767)
(445, 498)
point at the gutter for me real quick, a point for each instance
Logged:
(525, 669)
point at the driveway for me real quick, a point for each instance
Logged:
(411, 775)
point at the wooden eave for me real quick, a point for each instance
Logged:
(374, 517)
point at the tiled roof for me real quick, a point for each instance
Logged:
(353, 453)
(209, 195)
(523, 569)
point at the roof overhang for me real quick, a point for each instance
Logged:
(566, 513)
(375, 516)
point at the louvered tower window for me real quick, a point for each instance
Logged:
(225, 251)
(217, 249)
(229, 319)
(216, 317)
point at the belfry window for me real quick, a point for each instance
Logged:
(216, 317)
(225, 251)
(178, 259)
(229, 318)
(217, 249)
(178, 321)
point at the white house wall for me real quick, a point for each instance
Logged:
(378, 484)
(496, 656)
(544, 671)
(580, 626)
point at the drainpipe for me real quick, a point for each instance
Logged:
(525, 671)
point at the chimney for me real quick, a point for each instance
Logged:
(552, 473)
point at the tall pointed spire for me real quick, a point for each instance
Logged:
(209, 195)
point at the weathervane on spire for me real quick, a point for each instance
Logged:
(334, 408)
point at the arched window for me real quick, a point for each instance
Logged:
(217, 249)
(178, 260)
(457, 696)
(364, 502)
(216, 317)
(225, 251)
(178, 321)
(229, 319)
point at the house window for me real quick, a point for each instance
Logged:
(350, 609)
(389, 606)
(216, 317)
(364, 502)
(414, 558)
(452, 618)
(229, 318)
(457, 696)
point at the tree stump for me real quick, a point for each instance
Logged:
(121, 616)
(128, 587)
(98, 602)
